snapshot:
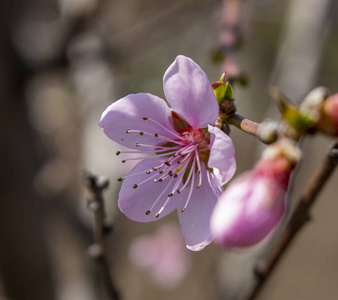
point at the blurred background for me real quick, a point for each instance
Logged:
(62, 62)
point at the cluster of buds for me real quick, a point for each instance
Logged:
(317, 112)
(253, 205)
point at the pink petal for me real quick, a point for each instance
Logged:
(222, 155)
(128, 113)
(189, 92)
(195, 219)
(134, 203)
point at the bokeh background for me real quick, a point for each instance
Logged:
(63, 62)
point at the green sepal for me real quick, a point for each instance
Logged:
(291, 112)
(222, 91)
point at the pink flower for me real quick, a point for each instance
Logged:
(252, 205)
(162, 255)
(188, 159)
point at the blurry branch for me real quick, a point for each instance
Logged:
(230, 39)
(298, 218)
(95, 203)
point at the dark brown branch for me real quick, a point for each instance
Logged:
(95, 202)
(295, 223)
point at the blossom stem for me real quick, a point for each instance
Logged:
(244, 124)
(298, 218)
(98, 250)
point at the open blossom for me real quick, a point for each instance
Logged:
(252, 205)
(187, 158)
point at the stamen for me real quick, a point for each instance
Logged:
(174, 133)
(199, 168)
(190, 192)
(159, 197)
(191, 172)
(181, 141)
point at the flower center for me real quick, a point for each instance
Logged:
(182, 151)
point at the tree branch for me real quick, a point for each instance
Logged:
(95, 203)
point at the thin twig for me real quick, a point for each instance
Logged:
(95, 202)
(295, 223)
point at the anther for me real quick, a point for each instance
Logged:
(128, 131)
(135, 186)
(155, 135)
(170, 173)
(119, 179)
(178, 191)
(161, 172)
(155, 180)
(123, 161)
(170, 195)
(167, 163)
(178, 161)
(148, 172)
(147, 212)
(154, 169)
(160, 180)
(198, 186)
(199, 171)
(157, 215)
(118, 152)
(137, 145)
(141, 133)
(183, 209)
(175, 175)
(145, 118)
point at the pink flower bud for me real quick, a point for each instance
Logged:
(252, 205)
(328, 122)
